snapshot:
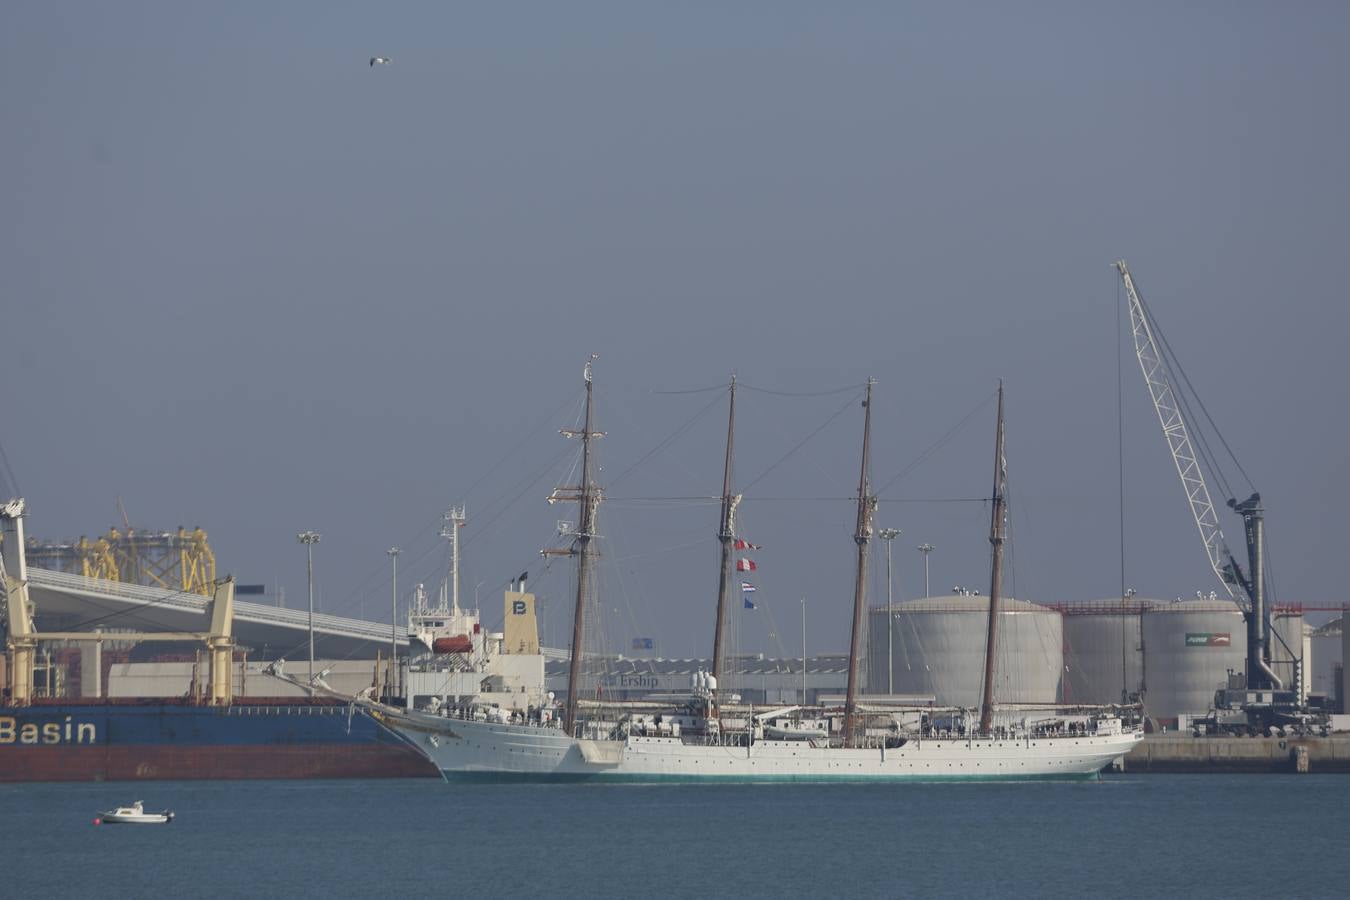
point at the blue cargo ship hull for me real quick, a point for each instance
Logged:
(112, 740)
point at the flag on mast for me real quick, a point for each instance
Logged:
(742, 544)
(748, 588)
(746, 565)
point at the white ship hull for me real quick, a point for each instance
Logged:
(464, 749)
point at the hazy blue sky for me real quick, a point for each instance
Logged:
(251, 283)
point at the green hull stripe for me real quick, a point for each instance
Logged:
(559, 778)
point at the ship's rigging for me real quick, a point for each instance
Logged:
(588, 497)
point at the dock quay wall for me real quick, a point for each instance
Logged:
(1182, 753)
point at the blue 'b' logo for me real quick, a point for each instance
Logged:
(518, 607)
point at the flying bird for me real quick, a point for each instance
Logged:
(382, 60)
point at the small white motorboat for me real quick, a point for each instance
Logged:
(134, 814)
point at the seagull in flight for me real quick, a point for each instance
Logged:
(380, 60)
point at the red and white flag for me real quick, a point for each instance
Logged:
(746, 565)
(742, 544)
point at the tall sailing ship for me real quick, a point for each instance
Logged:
(710, 739)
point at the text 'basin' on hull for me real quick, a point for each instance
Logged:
(139, 741)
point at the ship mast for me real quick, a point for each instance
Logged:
(588, 499)
(997, 527)
(726, 535)
(455, 519)
(867, 505)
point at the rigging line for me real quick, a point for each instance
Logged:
(1120, 428)
(516, 499)
(543, 421)
(829, 393)
(933, 448)
(666, 550)
(1208, 457)
(1184, 400)
(414, 561)
(802, 443)
(1184, 397)
(618, 575)
(1201, 404)
(696, 499)
(8, 474)
(1120, 466)
(670, 438)
(929, 499)
(375, 572)
(777, 636)
(675, 505)
(715, 387)
(692, 498)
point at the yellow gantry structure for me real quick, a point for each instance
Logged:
(179, 560)
(22, 637)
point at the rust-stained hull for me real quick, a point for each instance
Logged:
(188, 763)
(170, 740)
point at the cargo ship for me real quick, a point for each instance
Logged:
(128, 739)
(207, 733)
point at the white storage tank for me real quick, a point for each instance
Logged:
(1189, 646)
(938, 648)
(1103, 650)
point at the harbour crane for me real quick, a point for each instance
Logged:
(1263, 688)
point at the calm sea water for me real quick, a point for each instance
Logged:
(1126, 836)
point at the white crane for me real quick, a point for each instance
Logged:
(1251, 600)
(1158, 378)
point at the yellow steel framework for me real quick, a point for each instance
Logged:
(179, 560)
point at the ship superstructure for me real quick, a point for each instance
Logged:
(463, 666)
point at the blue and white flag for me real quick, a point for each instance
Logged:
(749, 604)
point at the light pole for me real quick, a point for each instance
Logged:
(309, 539)
(799, 713)
(1124, 651)
(888, 535)
(393, 624)
(925, 549)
